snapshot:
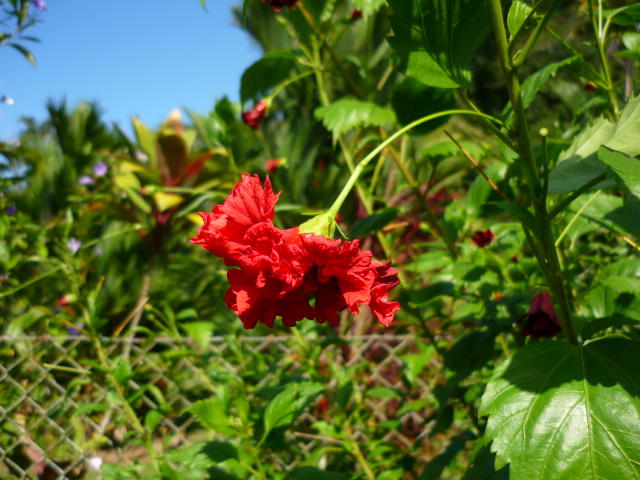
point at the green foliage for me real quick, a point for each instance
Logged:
(346, 114)
(553, 397)
(272, 69)
(435, 39)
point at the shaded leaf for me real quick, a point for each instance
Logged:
(272, 69)
(435, 39)
(600, 324)
(374, 222)
(369, 7)
(625, 168)
(517, 15)
(482, 465)
(285, 406)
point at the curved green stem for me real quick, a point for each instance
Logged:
(360, 167)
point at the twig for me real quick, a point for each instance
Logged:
(478, 168)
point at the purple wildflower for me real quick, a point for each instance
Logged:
(76, 330)
(11, 210)
(85, 180)
(99, 169)
(38, 5)
(73, 245)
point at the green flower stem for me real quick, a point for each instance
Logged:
(30, 282)
(550, 264)
(604, 66)
(289, 81)
(533, 38)
(357, 171)
(575, 217)
(255, 453)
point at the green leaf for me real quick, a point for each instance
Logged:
(348, 113)
(212, 414)
(201, 332)
(429, 261)
(517, 15)
(625, 168)
(369, 7)
(470, 353)
(600, 324)
(534, 83)
(565, 412)
(434, 467)
(435, 39)
(412, 100)
(482, 465)
(285, 406)
(383, 392)
(629, 15)
(579, 163)
(146, 142)
(524, 216)
(26, 53)
(601, 300)
(374, 222)
(623, 284)
(272, 69)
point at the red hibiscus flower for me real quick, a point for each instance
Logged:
(541, 319)
(279, 270)
(482, 238)
(254, 116)
(278, 4)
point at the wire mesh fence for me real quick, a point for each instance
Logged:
(58, 413)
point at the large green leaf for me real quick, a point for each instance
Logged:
(347, 113)
(579, 163)
(273, 68)
(625, 168)
(435, 39)
(559, 411)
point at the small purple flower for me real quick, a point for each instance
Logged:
(100, 169)
(38, 5)
(76, 330)
(73, 245)
(11, 210)
(97, 251)
(85, 180)
(3, 277)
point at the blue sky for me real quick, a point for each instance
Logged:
(134, 57)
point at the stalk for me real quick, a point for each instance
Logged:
(551, 266)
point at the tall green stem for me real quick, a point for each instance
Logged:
(551, 266)
(604, 66)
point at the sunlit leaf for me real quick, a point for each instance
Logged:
(345, 114)
(564, 412)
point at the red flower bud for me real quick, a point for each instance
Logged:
(482, 238)
(588, 87)
(272, 165)
(356, 14)
(254, 116)
(541, 319)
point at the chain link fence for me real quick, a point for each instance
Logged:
(57, 412)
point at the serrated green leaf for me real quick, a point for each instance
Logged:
(517, 15)
(285, 406)
(212, 414)
(201, 332)
(625, 168)
(579, 163)
(348, 113)
(435, 39)
(534, 83)
(565, 412)
(272, 69)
